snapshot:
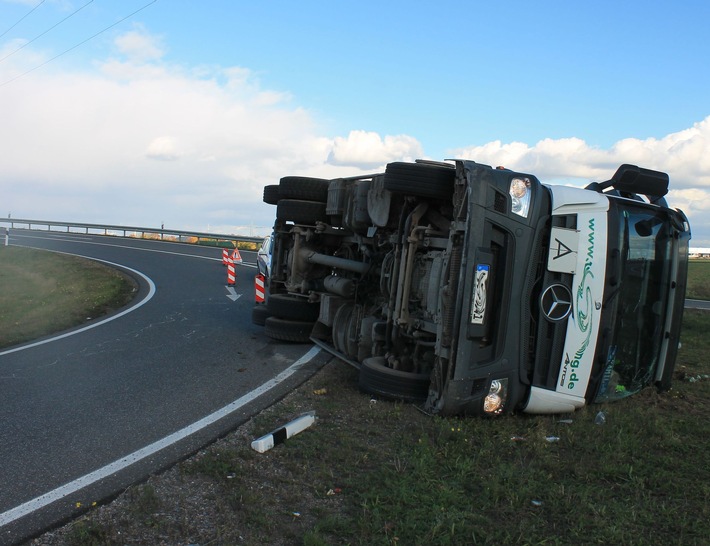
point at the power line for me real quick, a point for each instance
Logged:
(77, 45)
(22, 18)
(46, 31)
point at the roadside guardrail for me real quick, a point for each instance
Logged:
(194, 237)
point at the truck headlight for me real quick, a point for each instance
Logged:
(495, 399)
(520, 194)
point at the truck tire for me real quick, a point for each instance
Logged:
(295, 331)
(291, 307)
(300, 212)
(259, 314)
(272, 194)
(305, 188)
(420, 179)
(376, 378)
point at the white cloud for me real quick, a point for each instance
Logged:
(141, 141)
(164, 148)
(685, 155)
(367, 150)
(138, 45)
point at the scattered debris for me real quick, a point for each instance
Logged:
(536, 502)
(320, 392)
(552, 438)
(600, 419)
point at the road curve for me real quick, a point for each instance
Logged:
(87, 413)
(697, 304)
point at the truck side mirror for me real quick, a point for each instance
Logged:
(633, 179)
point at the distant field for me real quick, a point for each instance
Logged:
(699, 280)
(43, 292)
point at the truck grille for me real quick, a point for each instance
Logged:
(546, 338)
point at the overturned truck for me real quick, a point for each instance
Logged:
(480, 290)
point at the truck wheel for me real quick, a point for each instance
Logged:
(296, 331)
(376, 378)
(303, 187)
(300, 212)
(421, 179)
(292, 307)
(272, 194)
(259, 314)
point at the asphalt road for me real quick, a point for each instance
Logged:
(85, 415)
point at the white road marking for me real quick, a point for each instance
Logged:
(151, 293)
(233, 294)
(106, 471)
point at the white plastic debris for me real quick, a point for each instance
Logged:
(283, 433)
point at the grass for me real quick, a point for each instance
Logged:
(699, 279)
(43, 293)
(371, 472)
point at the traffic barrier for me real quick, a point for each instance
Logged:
(225, 256)
(231, 273)
(259, 288)
(236, 257)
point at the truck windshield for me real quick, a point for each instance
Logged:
(637, 304)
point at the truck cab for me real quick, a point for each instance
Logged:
(479, 290)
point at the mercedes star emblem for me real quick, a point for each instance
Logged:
(556, 302)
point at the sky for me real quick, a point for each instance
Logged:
(179, 112)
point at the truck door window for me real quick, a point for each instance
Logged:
(638, 305)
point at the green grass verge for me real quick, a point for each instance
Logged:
(381, 473)
(44, 292)
(699, 279)
(406, 478)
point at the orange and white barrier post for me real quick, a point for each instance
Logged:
(236, 257)
(259, 288)
(225, 256)
(231, 273)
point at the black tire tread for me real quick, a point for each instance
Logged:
(259, 314)
(294, 331)
(300, 212)
(420, 179)
(272, 194)
(378, 379)
(291, 307)
(305, 188)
